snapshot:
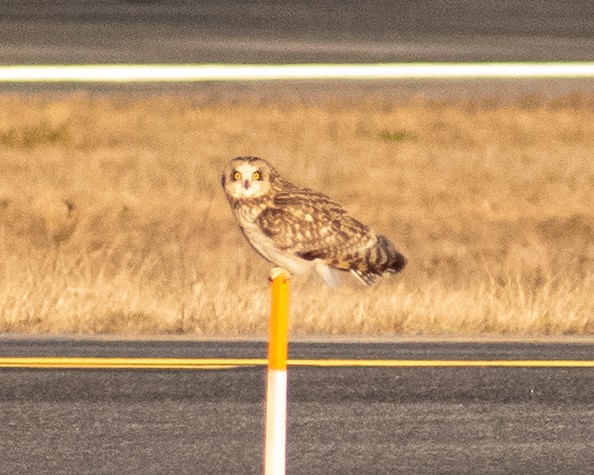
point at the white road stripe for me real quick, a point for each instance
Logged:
(256, 72)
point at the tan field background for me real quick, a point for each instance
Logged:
(112, 219)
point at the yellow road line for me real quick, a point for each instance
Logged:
(225, 363)
(444, 363)
(140, 363)
(268, 72)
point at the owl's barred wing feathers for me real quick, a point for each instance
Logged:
(308, 223)
(311, 226)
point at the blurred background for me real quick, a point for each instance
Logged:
(111, 215)
(184, 31)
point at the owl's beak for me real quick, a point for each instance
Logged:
(246, 184)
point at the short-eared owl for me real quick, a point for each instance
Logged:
(300, 229)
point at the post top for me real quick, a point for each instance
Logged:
(277, 272)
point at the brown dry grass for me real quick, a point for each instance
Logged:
(112, 219)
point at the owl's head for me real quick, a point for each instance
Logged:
(248, 177)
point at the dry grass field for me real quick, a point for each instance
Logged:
(112, 219)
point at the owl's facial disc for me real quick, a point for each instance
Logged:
(247, 181)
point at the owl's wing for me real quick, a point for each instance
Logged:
(312, 226)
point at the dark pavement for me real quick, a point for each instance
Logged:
(341, 420)
(229, 31)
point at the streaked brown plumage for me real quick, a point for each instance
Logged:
(301, 229)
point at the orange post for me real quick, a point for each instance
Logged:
(278, 333)
(276, 380)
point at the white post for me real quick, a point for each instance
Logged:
(276, 417)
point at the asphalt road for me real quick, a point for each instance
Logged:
(341, 420)
(139, 31)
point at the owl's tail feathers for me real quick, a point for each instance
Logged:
(395, 261)
(381, 259)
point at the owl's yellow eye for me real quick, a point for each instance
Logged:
(237, 176)
(256, 176)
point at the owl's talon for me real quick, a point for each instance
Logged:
(276, 272)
